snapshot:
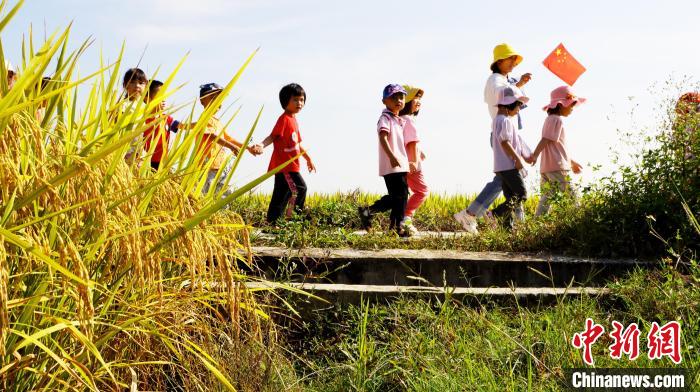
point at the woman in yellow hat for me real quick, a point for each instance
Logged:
(505, 59)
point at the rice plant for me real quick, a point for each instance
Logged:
(114, 276)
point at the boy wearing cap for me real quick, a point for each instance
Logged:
(505, 59)
(393, 162)
(290, 187)
(210, 146)
(509, 155)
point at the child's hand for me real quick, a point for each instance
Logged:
(394, 162)
(310, 166)
(519, 163)
(255, 149)
(576, 167)
(524, 80)
(422, 156)
(412, 167)
(531, 159)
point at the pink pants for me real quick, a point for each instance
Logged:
(419, 191)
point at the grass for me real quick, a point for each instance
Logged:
(334, 222)
(443, 345)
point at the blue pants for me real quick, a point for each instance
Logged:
(486, 197)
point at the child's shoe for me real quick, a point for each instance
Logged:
(407, 226)
(365, 217)
(467, 221)
(401, 232)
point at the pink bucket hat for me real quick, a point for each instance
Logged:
(565, 96)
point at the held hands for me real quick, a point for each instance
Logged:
(519, 164)
(531, 160)
(256, 149)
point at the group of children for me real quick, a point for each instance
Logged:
(400, 156)
(399, 151)
(215, 146)
(505, 99)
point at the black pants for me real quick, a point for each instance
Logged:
(287, 186)
(515, 193)
(395, 201)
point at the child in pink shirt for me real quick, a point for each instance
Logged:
(556, 164)
(416, 182)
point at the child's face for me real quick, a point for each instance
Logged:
(513, 112)
(11, 78)
(152, 94)
(565, 111)
(295, 104)
(395, 103)
(415, 104)
(506, 65)
(134, 89)
(209, 98)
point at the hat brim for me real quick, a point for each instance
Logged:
(210, 92)
(510, 100)
(394, 93)
(410, 97)
(565, 102)
(518, 59)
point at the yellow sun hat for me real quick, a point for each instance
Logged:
(412, 92)
(503, 51)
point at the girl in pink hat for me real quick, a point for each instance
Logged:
(414, 178)
(556, 163)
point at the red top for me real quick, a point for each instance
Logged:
(159, 133)
(286, 139)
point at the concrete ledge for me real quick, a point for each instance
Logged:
(437, 268)
(427, 254)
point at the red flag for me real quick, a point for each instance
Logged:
(564, 65)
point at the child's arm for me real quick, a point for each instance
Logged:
(231, 144)
(384, 142)
(412, 156)
(309, 163)
(267, 141)
(524, 79)
(540, 146)
(508, 148)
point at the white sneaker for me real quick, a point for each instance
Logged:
(407, 225)
(467, 221)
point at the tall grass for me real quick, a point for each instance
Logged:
(113, 276)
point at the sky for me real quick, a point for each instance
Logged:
(637, 55)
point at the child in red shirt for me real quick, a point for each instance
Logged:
(290, 188)
(157, 136)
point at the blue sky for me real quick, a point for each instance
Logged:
(343, 53)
